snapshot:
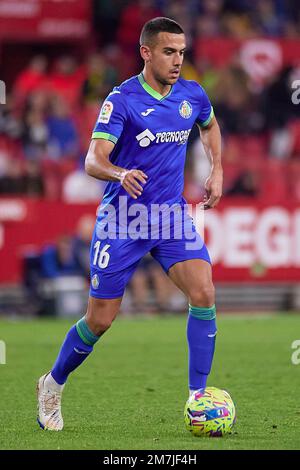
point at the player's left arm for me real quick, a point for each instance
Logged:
(211, 139)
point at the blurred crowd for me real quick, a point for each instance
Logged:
(52, 104)
(46, 124)
(120, 21)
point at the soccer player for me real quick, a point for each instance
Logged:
(139, 147)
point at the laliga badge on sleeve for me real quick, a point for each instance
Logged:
(105, 113)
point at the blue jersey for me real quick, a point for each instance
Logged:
(150, 132)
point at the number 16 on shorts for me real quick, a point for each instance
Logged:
(101, 256)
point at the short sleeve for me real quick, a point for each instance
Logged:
(111, 119)
(206, 112)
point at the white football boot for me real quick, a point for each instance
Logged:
(49, 406)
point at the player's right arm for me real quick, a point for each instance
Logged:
(108, 129)
(98, 165)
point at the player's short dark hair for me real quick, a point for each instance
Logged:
(158, 25)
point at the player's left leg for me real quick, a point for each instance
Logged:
(194, 278)
(77, 346)
(111, 270)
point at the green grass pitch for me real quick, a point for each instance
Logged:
(130, 393)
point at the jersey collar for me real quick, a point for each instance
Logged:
(150, 90)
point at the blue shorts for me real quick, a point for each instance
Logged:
(114, 260)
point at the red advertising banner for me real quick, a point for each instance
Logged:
(247, 242)
(260, 57)
(254, 242)
(27, 225)
(43, 19)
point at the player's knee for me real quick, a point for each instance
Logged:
(102, 325)
(203, 296)
(98, 324)
(100, 319)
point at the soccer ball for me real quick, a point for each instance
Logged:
(209, 412)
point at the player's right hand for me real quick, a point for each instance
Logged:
(130, 182)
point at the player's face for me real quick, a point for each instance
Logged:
(166, 57)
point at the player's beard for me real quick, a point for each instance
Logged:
(164, 81)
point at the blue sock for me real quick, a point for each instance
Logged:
(76, 348)
(201, 336)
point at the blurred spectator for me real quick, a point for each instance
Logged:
(106, 19)
(66, 80)
(133, 17)
(101, 78)
(209, 23)
(267, 19)
(189, 70)
(246, 184)
(80, 188)
(238, 26)
(237, 108)
(149, 277)
(31, 79)
(180, 12)
(59, 259)
(10, 125)
(207, 27)
(86, 121)
(277, 104)
(63, 283)
(38, 100)
(56, 277)
(281, 144)
(12, 181)
(82, 243)
(35, 134)
(63, 135)
(23, 178)
(213, 8)
(210, 77)
(33, 180)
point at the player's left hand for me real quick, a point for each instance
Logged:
(213, 188)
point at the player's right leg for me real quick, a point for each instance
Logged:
(77, 346)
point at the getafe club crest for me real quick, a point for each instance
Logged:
(185, 109)
(95, 281)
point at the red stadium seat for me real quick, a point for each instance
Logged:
(273, 185)
(294, 127)
(293, 178)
